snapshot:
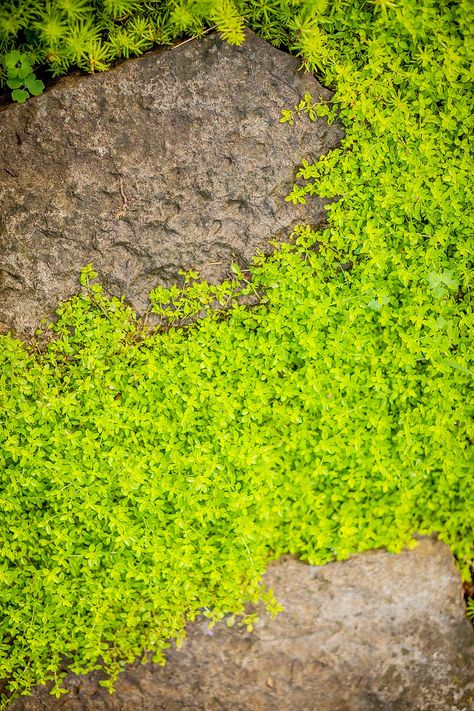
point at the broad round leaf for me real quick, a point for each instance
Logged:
(35, 86)
(20, 95)
(12, 73)
(12, 58)
(13, 83)
(24, 70)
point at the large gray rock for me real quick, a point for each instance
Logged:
(378, 632)
(173, 160)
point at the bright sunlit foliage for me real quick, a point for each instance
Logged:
(150, 477)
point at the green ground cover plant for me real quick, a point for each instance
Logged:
(148, 477)
(21, 77)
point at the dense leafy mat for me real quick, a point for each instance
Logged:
(147, 477)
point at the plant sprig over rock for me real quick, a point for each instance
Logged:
(146, 478)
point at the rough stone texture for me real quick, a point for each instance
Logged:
(173, 160)
(378, 632)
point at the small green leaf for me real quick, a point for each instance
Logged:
(12, 73)
(236, 270)
(450, 281)
(12, 59)
(35, 86)
(287, 116)
(374, 305)
(13, 83)
(24, 70)
(434, 280)
(20, 95)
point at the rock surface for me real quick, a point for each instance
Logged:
(173, 160)
(378, 632)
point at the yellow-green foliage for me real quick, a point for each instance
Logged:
(146, 478)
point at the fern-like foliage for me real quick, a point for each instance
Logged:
(470, 609)
(90, 34)
(228, 21)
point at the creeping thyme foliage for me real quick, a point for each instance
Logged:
(147, 477)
